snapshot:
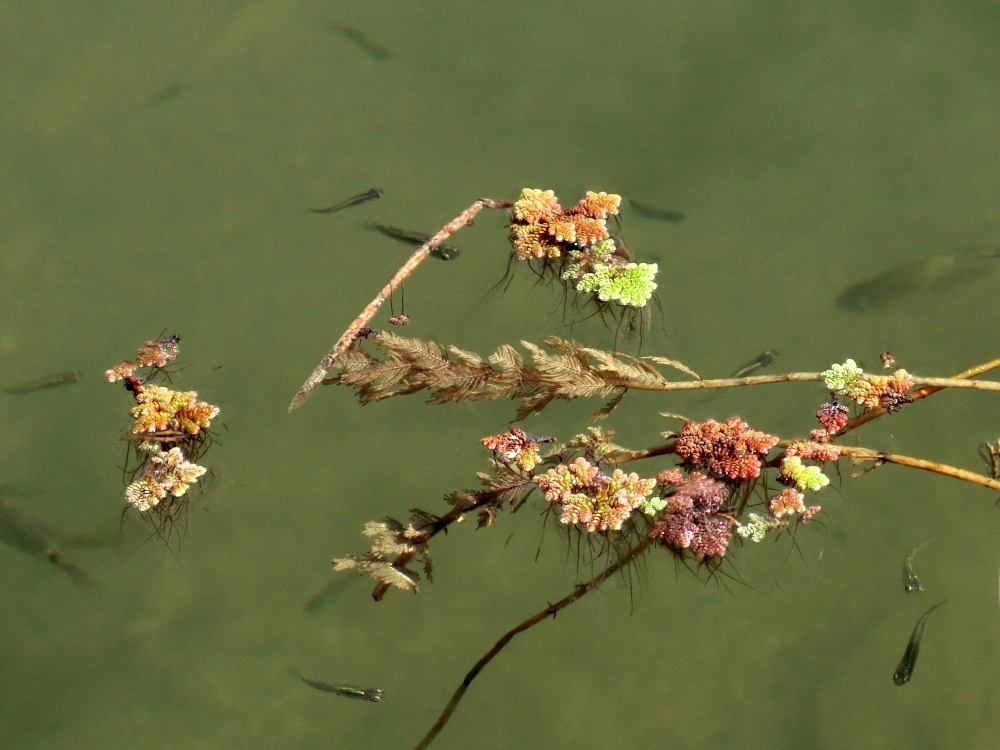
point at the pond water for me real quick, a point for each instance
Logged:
(157, 166)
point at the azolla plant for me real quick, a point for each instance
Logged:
(571, 244)
(169, 435)
(576, 242)
(729, 485)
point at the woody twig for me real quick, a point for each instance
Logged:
(463, 219)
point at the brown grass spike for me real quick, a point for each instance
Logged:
(463, 219)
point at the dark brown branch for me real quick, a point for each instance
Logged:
(536, 618)
(483, 498)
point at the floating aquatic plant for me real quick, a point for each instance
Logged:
(804, 477)
(729, 449)
(155, 354)
(163, 417)
(165, 473)
(719, 491)
(599, 501)
(630, 285)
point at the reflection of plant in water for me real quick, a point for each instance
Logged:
(731, 484)
(163, 417)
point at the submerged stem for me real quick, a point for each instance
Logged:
(551, 610)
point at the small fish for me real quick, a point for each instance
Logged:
(327, 594)
(22, 532)
(162, 96)
(759, 362)
(349, 32)
(368, 195)
(904, 671)
(373, 695)
(916, 278)
(416, 239)
(45, 382)
(655, 213)
(910, 581)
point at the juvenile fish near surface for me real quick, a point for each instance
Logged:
(372, 695)
(354, 200)
(909, 280)
(22, 532)
(653, 212)
(376, 51)
(910, 581)
(762, 360)
(416, 239)
(904, 671)
(759, 362)
(45, 382)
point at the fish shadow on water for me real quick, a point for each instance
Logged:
(926, 280)
(22, 532)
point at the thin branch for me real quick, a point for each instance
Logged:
(932, 385)
(924, 392)
(477, 499)
(463, 219)
(845, 450)
(536, 618)
(865, 454)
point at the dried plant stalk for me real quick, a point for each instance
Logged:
(463, 219)
(572, 371)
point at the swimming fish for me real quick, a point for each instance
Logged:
(653, 212)
(904, 671)
(45, 382)
(374, 50)
(759, 362)
(372, 695)
(910, 581)
(327, 594)
(416, 239)
(368, 195)
(22, 532)
(910, 280)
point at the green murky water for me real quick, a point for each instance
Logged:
(156, 167)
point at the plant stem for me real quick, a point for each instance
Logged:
(536, 618)
(864, 454)
(463, 219)
(931, 385)
(924, 392)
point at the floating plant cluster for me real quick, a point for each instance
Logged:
(169, 433)
(717, 490)
(576, 241)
